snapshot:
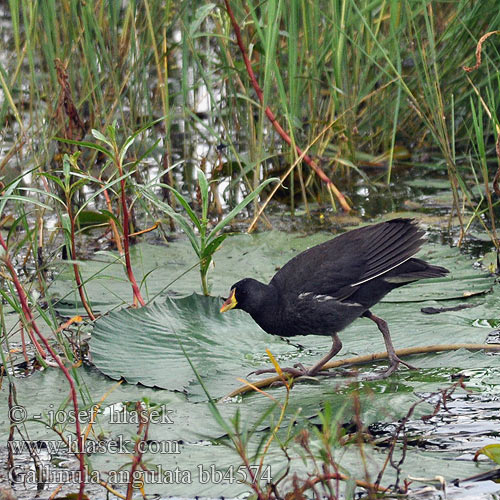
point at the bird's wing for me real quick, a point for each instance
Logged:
(338, 267)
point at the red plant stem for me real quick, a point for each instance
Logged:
(78, 280)
(31, 321)
(23, 342)
(33, 339)
(112, 223)
(138, 449)
(27, 314)
(126, 234)
(272, 118)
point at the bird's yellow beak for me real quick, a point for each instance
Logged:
(230, 302)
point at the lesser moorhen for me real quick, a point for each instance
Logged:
(327, 287)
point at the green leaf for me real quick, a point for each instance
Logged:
(203, 183)
(26, 199)
(66, 226)
(191, 213)
(112, 216)
(491, 451)
(210, 249)
(7, 193)
(66, 170)
(111, 129)
(200, 15)
(182, 221)
(238, 208)
(101, 137)
(42, 193)
(91, 178)
(131, 138)
(85, 144)
(77, 185)
(150, 338)
(55, 179)
(123, 151)
(92, 218)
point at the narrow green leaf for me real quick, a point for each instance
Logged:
(66, 170)
(182, 221)
(7, 193)
(210, 249)
(92, 218)
(192, 215)
(131, 138)
(111, 215)
(77, 185)
(238, 208)
(25, 199)
(55, 179)
(202, 181)
(85, 144)
(200, 15)
(101, 137)
(42, 193)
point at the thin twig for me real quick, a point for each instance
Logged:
(479, 48)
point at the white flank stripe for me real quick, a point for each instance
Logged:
(383, 272)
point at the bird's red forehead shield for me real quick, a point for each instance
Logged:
(230, 302)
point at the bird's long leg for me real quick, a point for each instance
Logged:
(393, 357)
(336, 346)
(300, 371)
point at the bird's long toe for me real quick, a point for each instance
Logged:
(323, 372)
(295, 372)
(410, 367)
(299, 370)
(396, 360)
(382, 375)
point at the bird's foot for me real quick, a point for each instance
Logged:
(323, 372)
(381, 375)
(395, 361)
(294, 372)
(299, 370)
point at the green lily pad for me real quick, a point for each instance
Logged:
(145, 345)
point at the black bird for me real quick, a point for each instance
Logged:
(327, 287)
